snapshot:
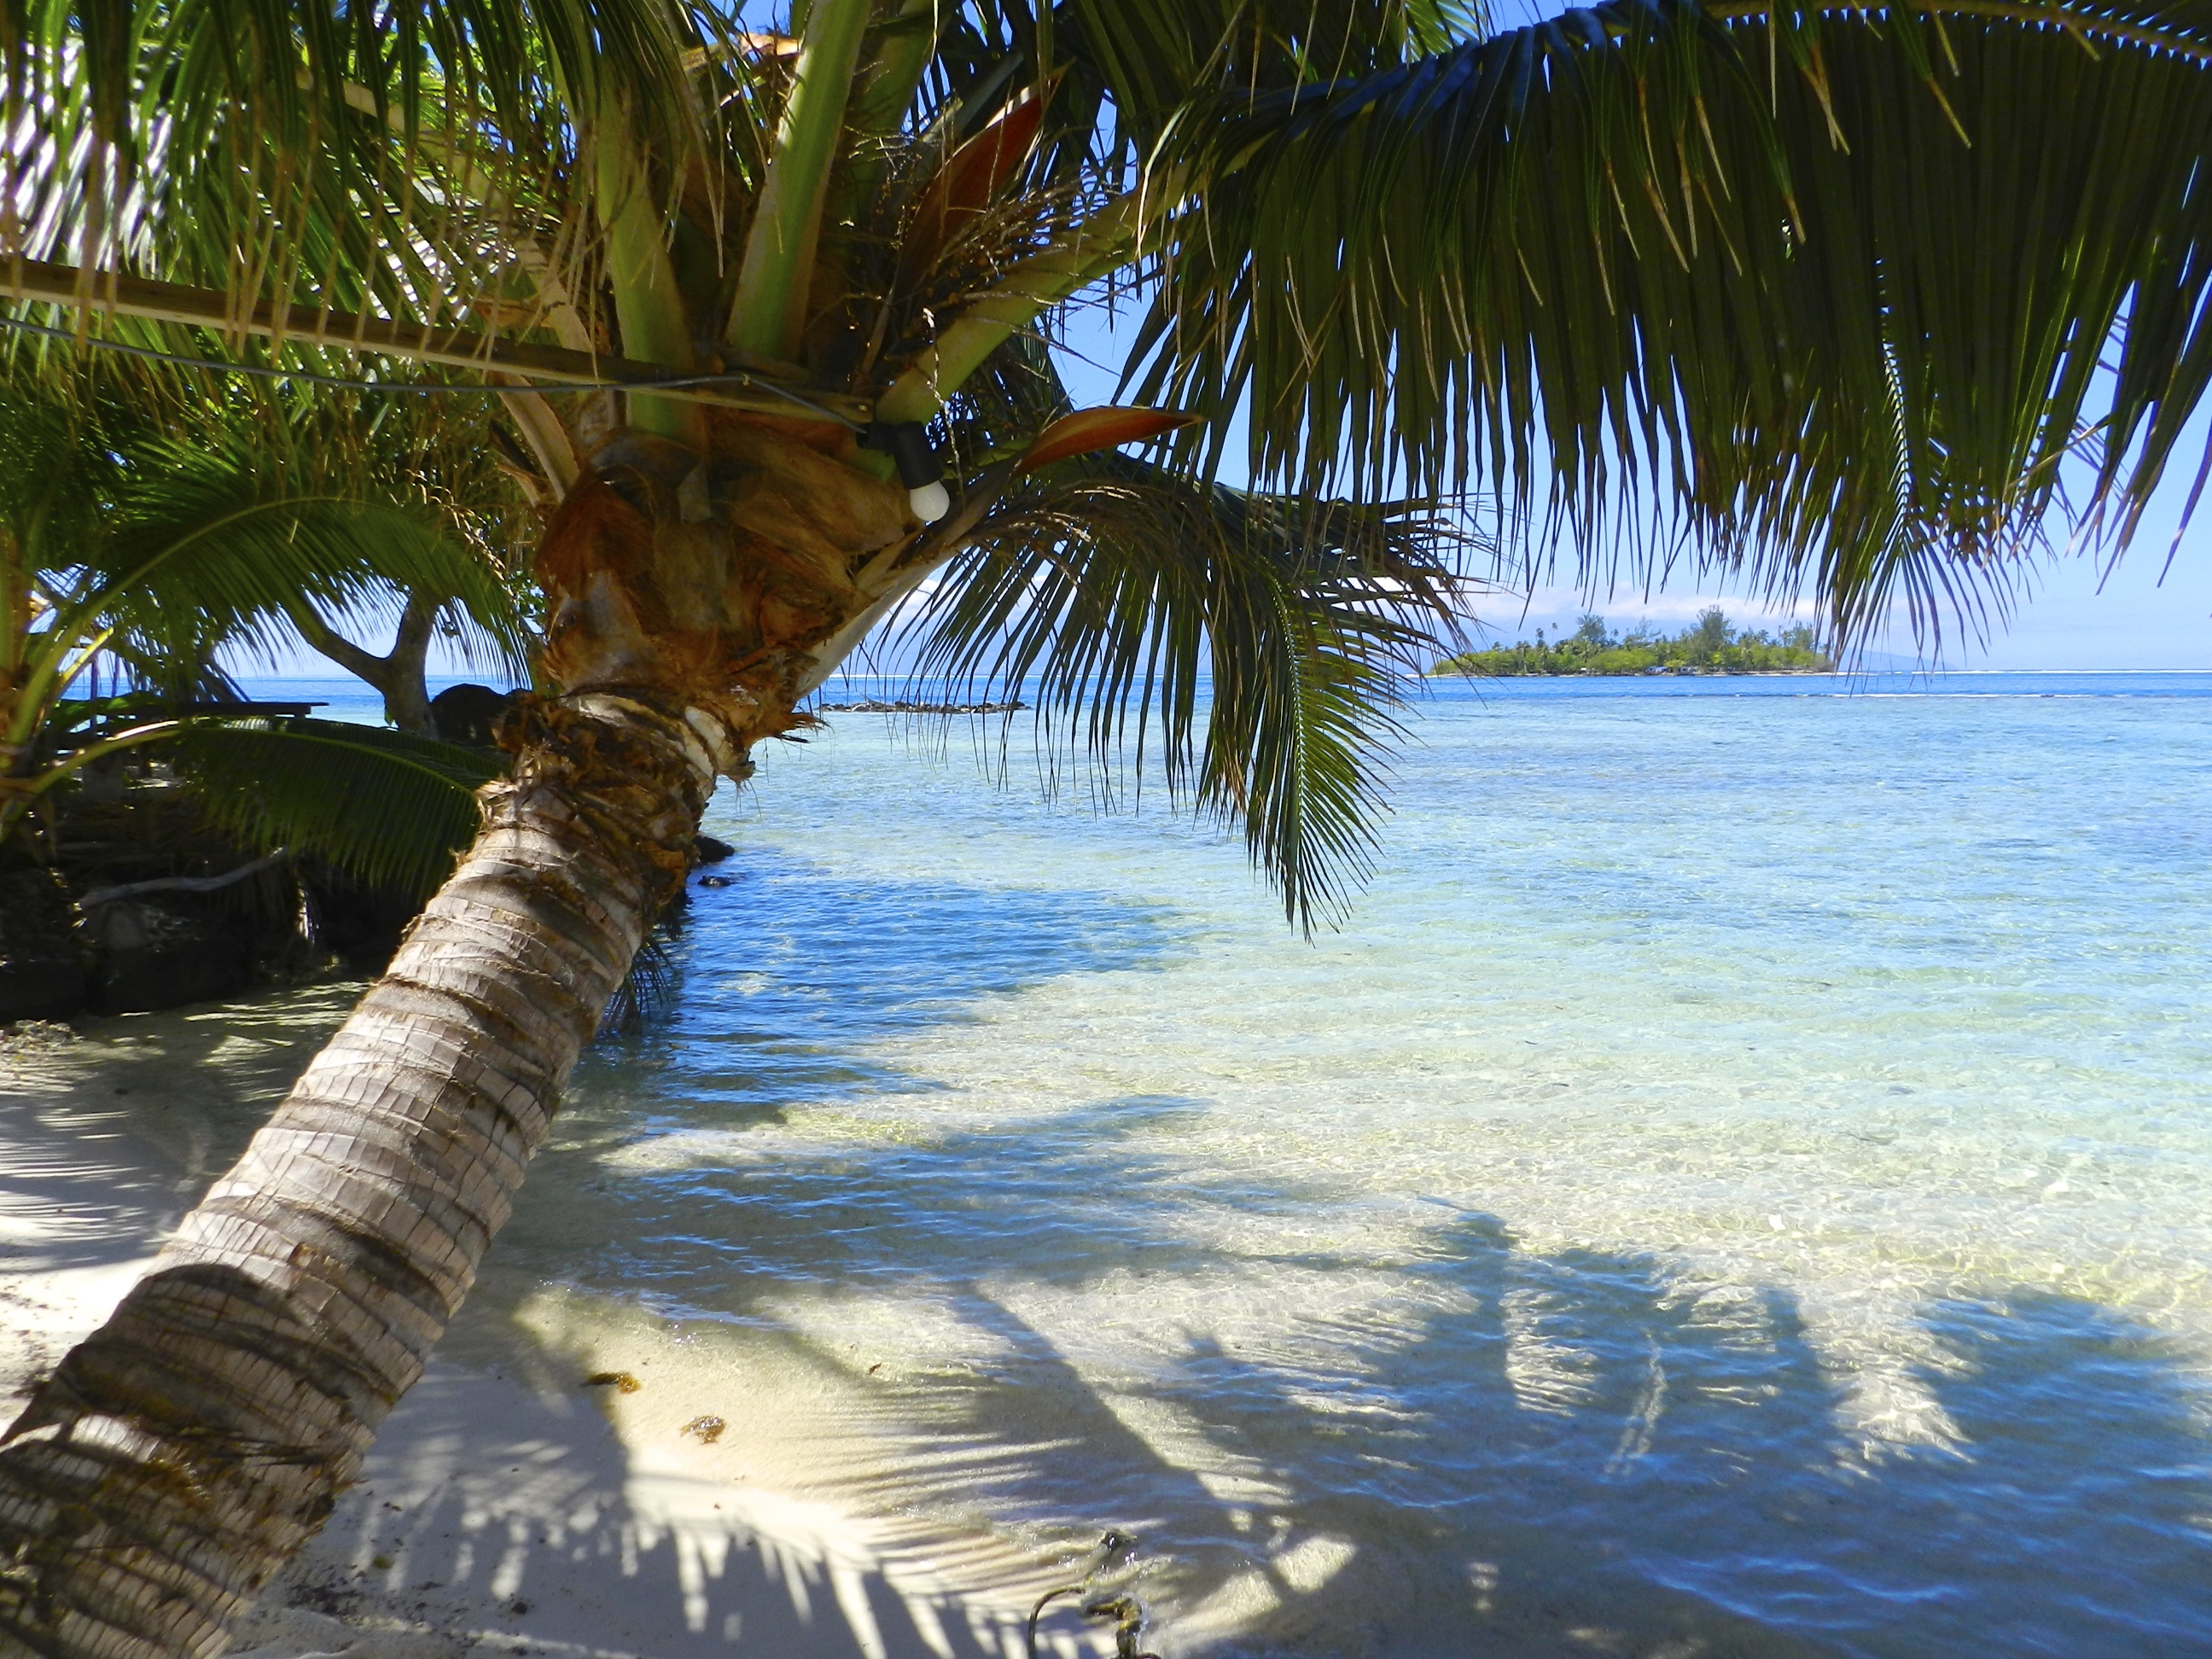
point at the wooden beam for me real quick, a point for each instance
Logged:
(111, 293)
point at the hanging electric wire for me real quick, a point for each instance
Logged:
(339, 382)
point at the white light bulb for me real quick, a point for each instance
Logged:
(930, 503)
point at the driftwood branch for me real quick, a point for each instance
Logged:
(183, 883)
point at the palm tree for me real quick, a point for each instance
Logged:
(1822, 295)
(143, 526)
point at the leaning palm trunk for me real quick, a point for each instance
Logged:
(182, 1454)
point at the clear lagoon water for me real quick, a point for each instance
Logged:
(1737, 1184)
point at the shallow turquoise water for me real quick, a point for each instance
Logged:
(1737, 1184)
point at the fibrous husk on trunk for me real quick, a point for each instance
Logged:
(712, 579)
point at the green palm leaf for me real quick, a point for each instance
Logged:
(1260, 643)
(389, 809)
(380, 159)
(182, 543)
(1828, 294)
(225, 533)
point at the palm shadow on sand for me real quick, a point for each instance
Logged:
(1568, 1454)
(1489, 1451)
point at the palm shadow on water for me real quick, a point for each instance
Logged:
(785, 979)
(1480, 1450)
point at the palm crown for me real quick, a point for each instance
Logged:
(1830, 297)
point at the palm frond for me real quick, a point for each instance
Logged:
(230, 551)
(65, 428)
(389, 809)
(400, 161)
(1154, 62)
(188, 520)
(1256, 645)
(652, 988)
(1827, 295)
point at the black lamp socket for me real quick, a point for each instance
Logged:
(907, 442)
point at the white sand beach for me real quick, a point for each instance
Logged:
(507, 1506)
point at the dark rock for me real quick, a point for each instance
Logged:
(42, 990)
(42, 969)
(153, 957)
(464, 714)
(360, 923)
(710, 849)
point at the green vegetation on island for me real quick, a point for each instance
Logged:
(1709, 647)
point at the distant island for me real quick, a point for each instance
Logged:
(1711, 647)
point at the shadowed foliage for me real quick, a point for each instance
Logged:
(388, 809)
(142, 527)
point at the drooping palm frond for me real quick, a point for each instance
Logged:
(209, 535)
(1829, 290)
(1259, 645)
(389, 809)
(64, 433)
(159, 508)
(385, 159)
(652, 988)
(444, 462)
(1153, 62)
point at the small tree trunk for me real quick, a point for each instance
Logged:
(406, 696)
(182, 1454)
(399, 675)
